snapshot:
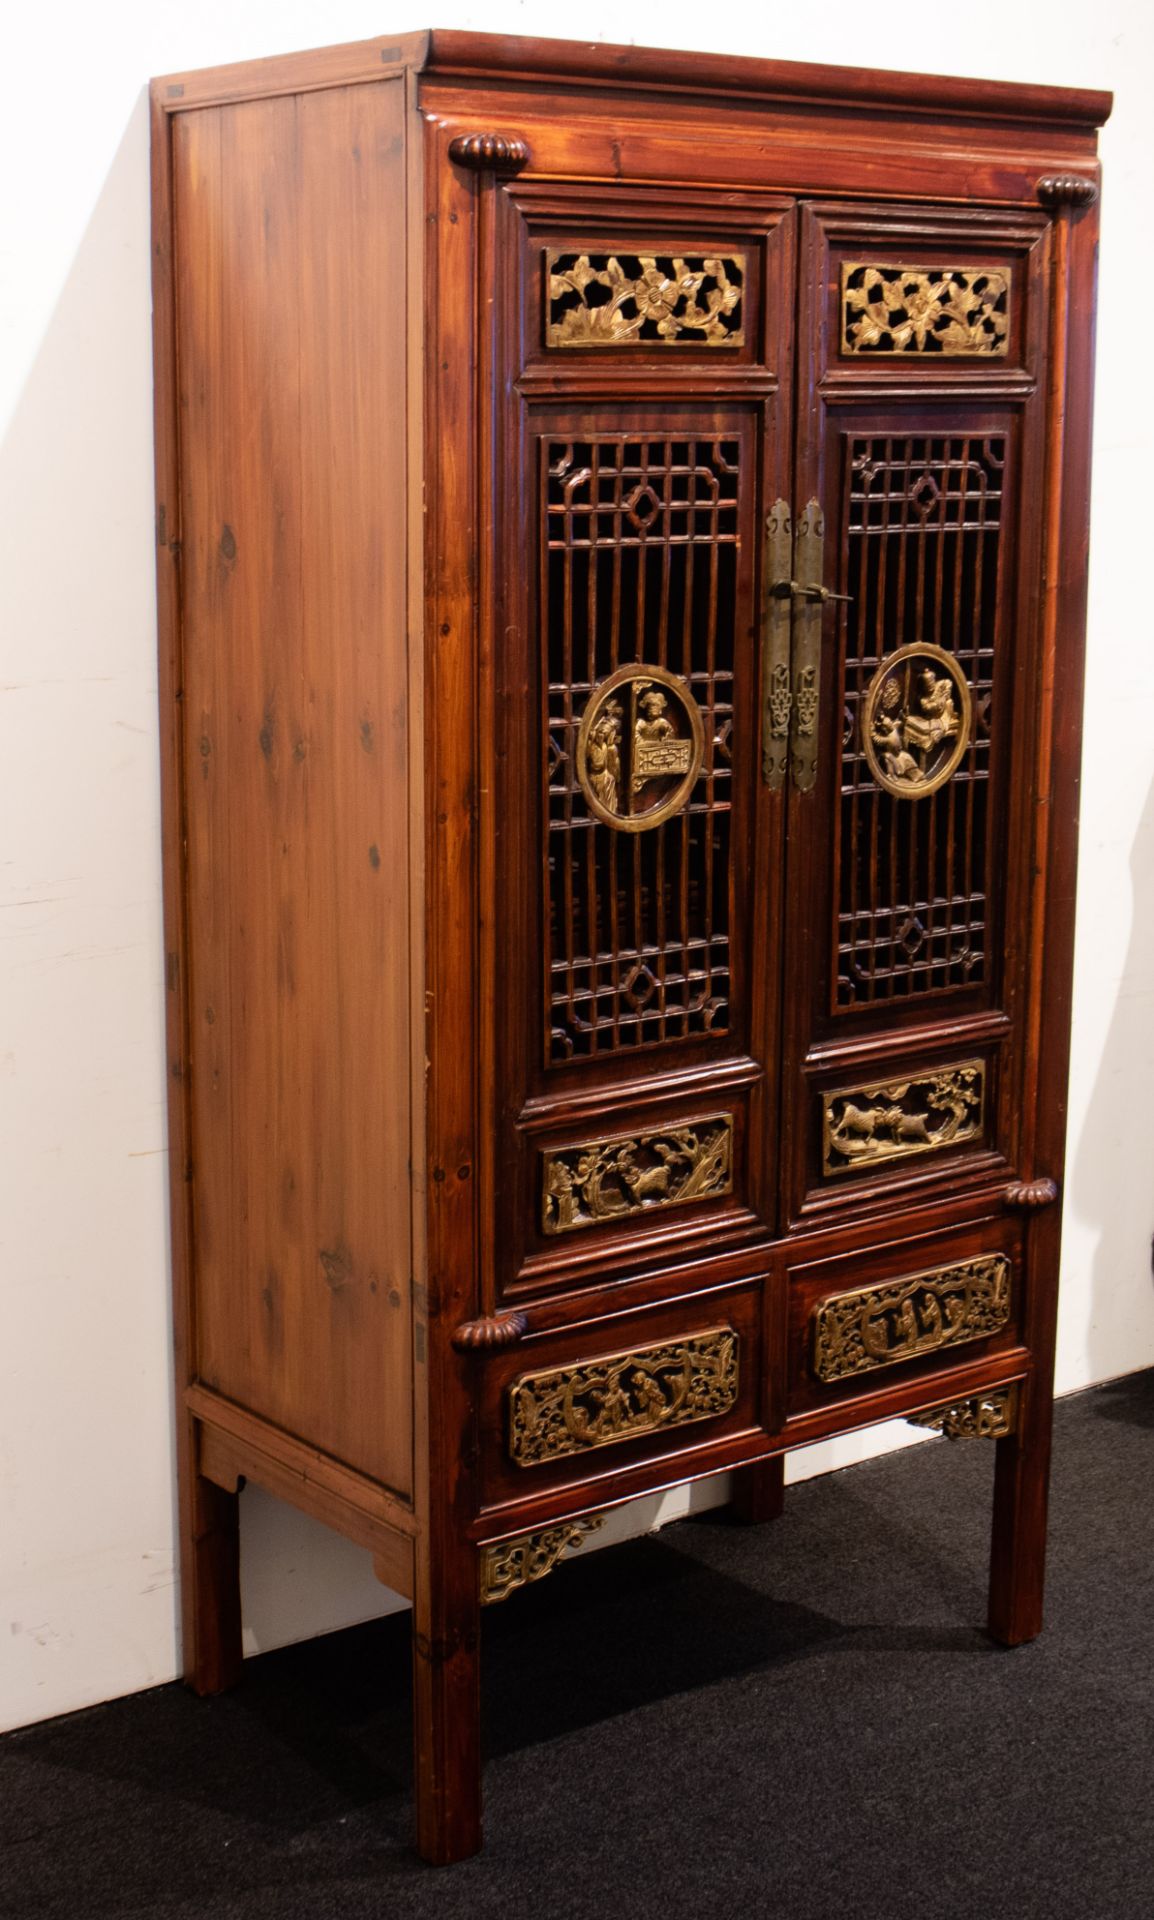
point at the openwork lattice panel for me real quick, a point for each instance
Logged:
(644, 299)
(962, 312)
(924, 519)
(640, 592)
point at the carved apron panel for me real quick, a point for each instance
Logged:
(622, 1396)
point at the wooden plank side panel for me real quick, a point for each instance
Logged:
(290, 339)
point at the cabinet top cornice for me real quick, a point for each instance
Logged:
(663, 69)
(451, 54)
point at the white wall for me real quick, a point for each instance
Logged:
(87, 1597)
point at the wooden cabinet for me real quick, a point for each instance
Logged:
(622, 525)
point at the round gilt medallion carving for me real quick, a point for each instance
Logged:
(917, 718)
(639, 748)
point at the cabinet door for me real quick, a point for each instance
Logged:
(917, 472)
(641, 357)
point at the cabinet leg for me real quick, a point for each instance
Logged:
(758, 1493)
(210, 1586)
(1018, 1547)
(447, 1713)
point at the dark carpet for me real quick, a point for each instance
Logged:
(802, 1720)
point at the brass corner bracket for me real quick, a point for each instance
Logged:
(489, 1335)
(1031, 1194)
(509, 1564)
(984, 1416)
(488, 152)
(1066, 190)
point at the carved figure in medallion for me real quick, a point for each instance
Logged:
(906, 739)
(887, 733)
(603, 756)
(916, 721)
(638, 771)
(937, 703)
(658, 754)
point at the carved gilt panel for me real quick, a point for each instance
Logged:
(639, 748)
(962, 312)
(903, 1319)
(916, 721)
(509, 1564)
(602, 1181)
(985, 1416)
(622, 1396)
(867, 1126)
(624, 299)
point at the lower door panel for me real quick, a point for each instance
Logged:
(672, 1382)
(871, 1333)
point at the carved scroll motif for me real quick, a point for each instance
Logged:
(605, 1180)
(958, 311)
(622, 1396)
(509, 1564)
(644, 299)
(865, 1126)
(914, 1315)
(985, 1416)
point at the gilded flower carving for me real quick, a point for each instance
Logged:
(959, 311)
(622, 299)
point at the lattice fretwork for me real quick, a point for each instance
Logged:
(640, 567)
(923, 519)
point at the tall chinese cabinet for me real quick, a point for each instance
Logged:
(622, 522)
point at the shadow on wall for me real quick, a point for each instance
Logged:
(1112, 1166)
(88, 1495)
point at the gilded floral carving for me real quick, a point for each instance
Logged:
(957, 311)
(638, 299)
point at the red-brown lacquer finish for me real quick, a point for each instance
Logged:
(622, 532)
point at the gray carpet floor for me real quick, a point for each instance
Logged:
(803, 1721)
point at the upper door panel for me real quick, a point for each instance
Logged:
(917, 474)
(643, 341)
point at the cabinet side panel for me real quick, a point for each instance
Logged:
(291, 371)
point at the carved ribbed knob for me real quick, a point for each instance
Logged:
(489, 1335)
(492, 152)
(1066, 190)
(1031, 1194)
